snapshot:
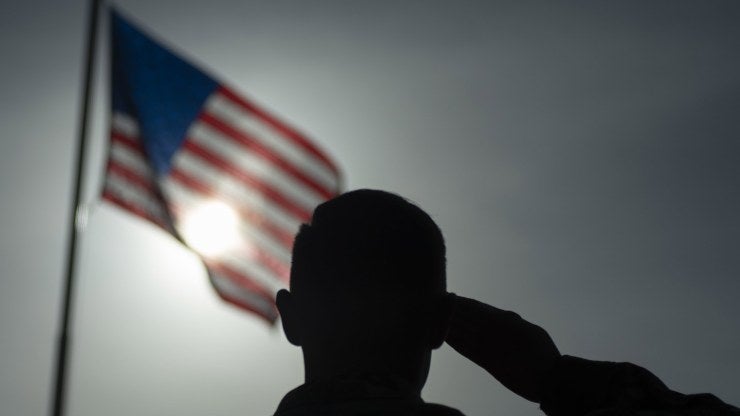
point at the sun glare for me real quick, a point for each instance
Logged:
(211, 228)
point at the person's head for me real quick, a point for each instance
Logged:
(367, 287)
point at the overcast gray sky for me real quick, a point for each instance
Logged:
(580, 157)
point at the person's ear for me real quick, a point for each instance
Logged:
(440, 315)
(289, 316)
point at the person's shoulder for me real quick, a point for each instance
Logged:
(375, 408)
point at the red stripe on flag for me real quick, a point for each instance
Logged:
(256, 250)
(258, 148)
(132, 177)
(135, 209)
(246, 178)
(269, 317)
(277, 267)
(279, 234)
(283, 128)
(240, 279)
(130, 142)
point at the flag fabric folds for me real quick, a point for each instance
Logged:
(207, 165)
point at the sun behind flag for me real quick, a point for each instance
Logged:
(220, 174)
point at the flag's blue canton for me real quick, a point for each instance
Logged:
(158, 89)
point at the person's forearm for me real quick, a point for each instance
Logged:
(524, 358)
(514, 351)
(579, 387)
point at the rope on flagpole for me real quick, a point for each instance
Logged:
(62, 352)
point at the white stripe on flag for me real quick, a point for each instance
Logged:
(246, 160)
(135, 195)
(263, 278)
(132, 160)
(228, 288)
(188, 200)
(124, 124)
(223, 184)
(222, 108)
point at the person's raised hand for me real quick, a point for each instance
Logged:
(516, 352)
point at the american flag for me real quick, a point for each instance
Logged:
(207, 165)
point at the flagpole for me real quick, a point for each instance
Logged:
(62, 352)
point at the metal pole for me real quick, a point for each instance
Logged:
(62, 351)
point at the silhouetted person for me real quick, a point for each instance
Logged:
(368, 304)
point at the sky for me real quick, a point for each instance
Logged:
(581, 159)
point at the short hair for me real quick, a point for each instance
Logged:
(369, 241)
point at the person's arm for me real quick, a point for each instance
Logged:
(576, 386)
(523, 357)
